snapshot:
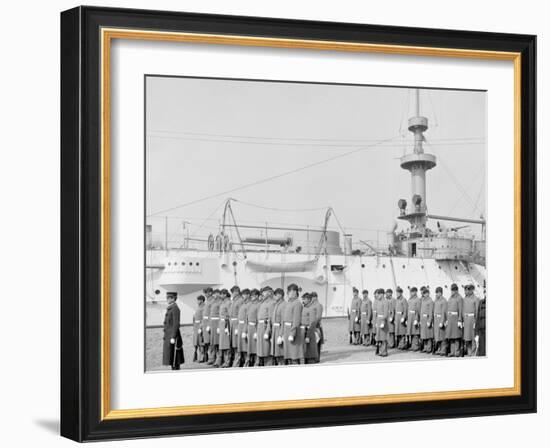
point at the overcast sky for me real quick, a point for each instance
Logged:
(207, 137)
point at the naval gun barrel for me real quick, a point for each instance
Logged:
(278, 241)
(449, 218)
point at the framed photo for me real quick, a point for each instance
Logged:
(276, 224)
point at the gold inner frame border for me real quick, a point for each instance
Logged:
(107, 35)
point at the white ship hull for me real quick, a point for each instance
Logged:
(332, 276)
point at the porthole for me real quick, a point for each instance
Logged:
(422, 267)
(169, 264)
(363, 265)
(384, 266)
(456, 268)
(234, 263)
(403, 266)
(183, 263)
(197, 263)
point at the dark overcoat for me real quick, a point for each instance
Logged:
(197, 325)
(401, 314)
(355, 315)
(265, 313)
(277, 328)
(206, 321)
(470, 316)
(242, 344)
(215, 321)
(224, 325)
(381, 314)
(414, 315)
(309, 324)
(172, 354)
(252, 327)
(426, 318)
(236, 304)
(440, 318)
(292, 316)
(455, 306)
(366, 316)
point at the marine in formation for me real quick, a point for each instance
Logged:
(267, 327)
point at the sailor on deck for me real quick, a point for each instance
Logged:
(455, 321)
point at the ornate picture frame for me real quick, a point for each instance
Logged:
(87, 34)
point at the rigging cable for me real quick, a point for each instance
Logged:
(277, 176)
(452, 176)
(275, 209)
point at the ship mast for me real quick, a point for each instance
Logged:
(417, 164)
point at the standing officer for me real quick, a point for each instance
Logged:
(440, 319)
(223, 331)
(309, 327)
(265, 313)
(206, 323)
(242, 344)
(315, 302)
(214, 325)
(293, 339)
(172, 348)
(471, 304)
(401, 314)
(480, 325)
(366, 317)
(454, 321)
(198, 343)
(391, 319)
(381, 309)
(277, 351)
(251, 332)
(426, 320)
(413, 320)
(236, 303)
(354, 316)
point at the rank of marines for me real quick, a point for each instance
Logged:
(274, 327)
(451, 327)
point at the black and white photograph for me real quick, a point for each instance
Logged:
(300, 223)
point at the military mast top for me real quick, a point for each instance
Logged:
(417, 163)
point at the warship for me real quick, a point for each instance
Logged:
(426, 251)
